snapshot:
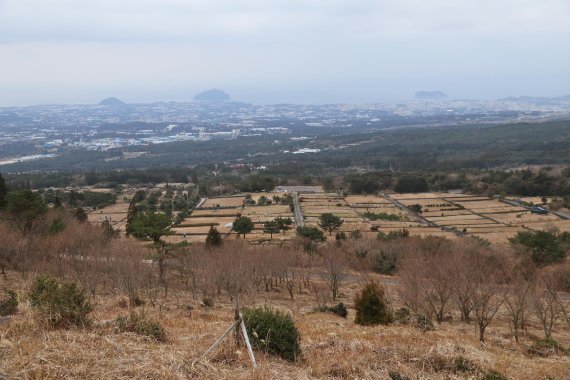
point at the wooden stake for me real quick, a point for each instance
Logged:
(221, 338)
(247, 344)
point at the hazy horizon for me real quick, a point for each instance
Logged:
(315, 52)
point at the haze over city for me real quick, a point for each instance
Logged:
(262, 52)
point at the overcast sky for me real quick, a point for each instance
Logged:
(267, 51)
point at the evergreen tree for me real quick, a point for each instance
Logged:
(271, 227)
(214, 238)
(3, 193)
(25, 207)
(243, 225)
(330, 222)
(284, 223)
(150, 225)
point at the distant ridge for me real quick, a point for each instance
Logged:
(430, 95)
(213, 95)
(112, 102)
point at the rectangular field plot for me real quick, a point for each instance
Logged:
(498, 238)
(483, 229)
(384, 210)
(198, 230)
(429, 204)
(358, 200)
(438, 219)
(397, 225)
(216, 213)
(453, 212)
(524, 217)
(483, 204)
(174, 239)
(471, 198)
(535, 200)
(498, 210)
(113, 209)
(342, 212)
(267, 213)
(206, 221)
(561, 225)
(258, 234)
(224, 202)
(412, 196)
(96, 217)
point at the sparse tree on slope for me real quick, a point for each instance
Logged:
(330, 222)
(25, 207)
(243, 225)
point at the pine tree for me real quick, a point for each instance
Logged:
(3, 193)
(214, 238)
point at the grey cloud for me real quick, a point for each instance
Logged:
(312, 50)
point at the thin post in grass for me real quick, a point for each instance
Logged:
(219, 340)
(236, 325)
(247, 344)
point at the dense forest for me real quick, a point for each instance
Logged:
(517, 159)
(402, 148)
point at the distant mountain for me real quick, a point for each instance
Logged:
(112, 102)
(430, 95)
(213, 95)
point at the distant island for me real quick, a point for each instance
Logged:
(213, 95)
(430, 95)
(112, 102)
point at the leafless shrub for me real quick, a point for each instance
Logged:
(130, 269)
(425, 280)
(517, 296)
(334, 268)
(546, 300)
(487, 292)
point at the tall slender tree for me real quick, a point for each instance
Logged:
(3, 193)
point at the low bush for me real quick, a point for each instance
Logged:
(385, 262)
(372, 306)
(139, 324)
(340, 236)
(60, 304)
(423, 323)
(397, 376)
(208, 301)
(382, 216)
(402, 315)
(339, 310)
(461, 364)
(493, 375)
(273, 332)
(393, 235)
(546, 347)
(9, 304)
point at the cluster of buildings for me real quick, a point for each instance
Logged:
(36, 131)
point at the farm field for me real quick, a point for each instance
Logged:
(224, 202)
(487, 218)
(443, 214)
(116, 213)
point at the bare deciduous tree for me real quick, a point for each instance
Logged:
(545, 301)
(334, 269)
(487, 292)
(517, 297)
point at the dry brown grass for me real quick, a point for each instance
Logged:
(332, 347)
(224, 202)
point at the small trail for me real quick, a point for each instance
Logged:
(298, 213)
